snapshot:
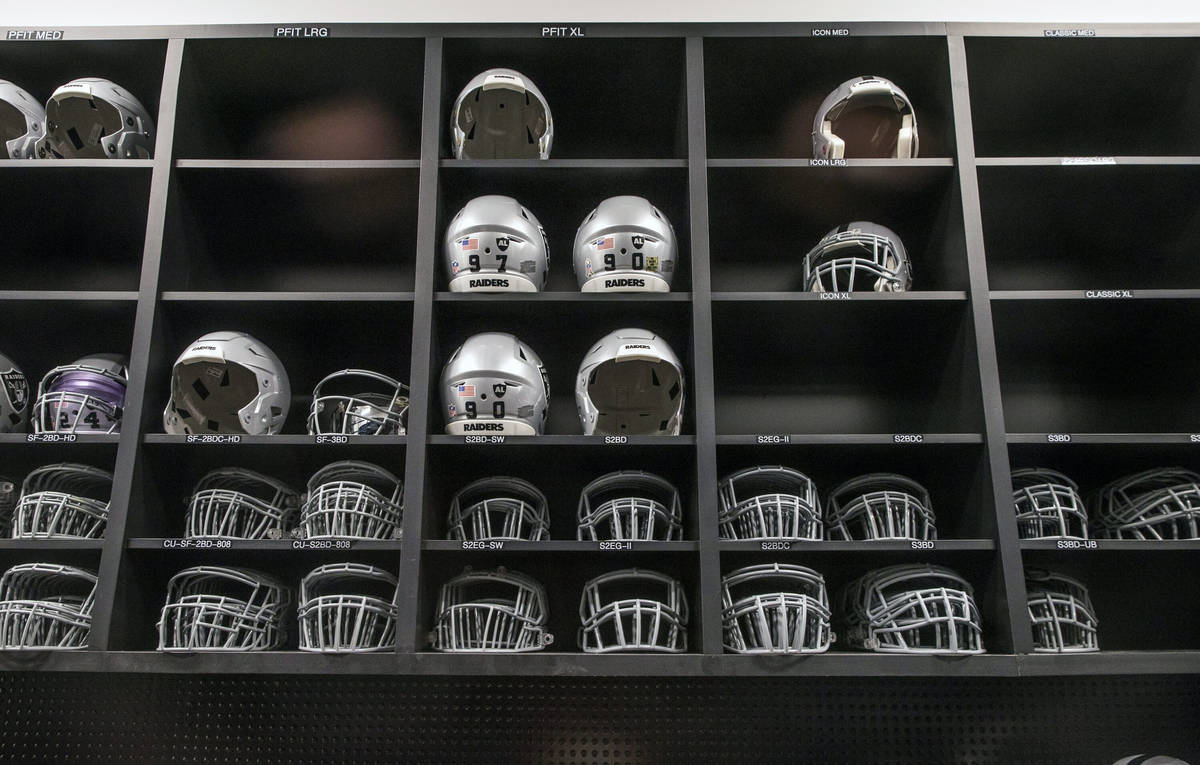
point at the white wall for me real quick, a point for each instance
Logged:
(155, 12)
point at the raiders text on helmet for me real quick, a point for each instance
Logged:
(625, 245)
(93, 118)
(630, 383)
(501, 114)
(227, 382)
(494, 383)
(22, 122)
(14, 397)
(865, 117)
(495, 244)
(86, 396)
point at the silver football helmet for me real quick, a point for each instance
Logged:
(1163, 503)
(14, 396)
(630, 383)
(236, 503)
(221, 608)
(495, 244)
(1062, 614)
(769, 502)
(1048, 505)
(501, 114)
(880, 506)
(95, 118)
(859, 256)
(352, 499)
(46, 607)
(629, 505)
(22, 122)
(63, 500)
(775, 608)
(625, 245)
(359, 402)
(494, 383)
(865, 117)
(497, 611)
(347, 608)
(500, 507)
(633, 610)
(912, 609)
(85, 396)
(227, 382)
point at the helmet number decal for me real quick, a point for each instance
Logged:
(473, 261)
(473, 410)
(637, 261)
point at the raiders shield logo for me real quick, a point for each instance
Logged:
(638, 241)
(502, 243)
(499, 389)
(17, 388)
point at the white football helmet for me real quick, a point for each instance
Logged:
(46, 607)
(347, 608)
(222, 608)
(912, 609)
(14, 396)
(495, 244)
(1048, 505)
(499, 507)
(1061, 612)
(85, 396)
(22, 122)
(95, 118)
(497, 611)
(633, 610)
(227, 382)
(359, 402)
(625, 245)
(880, 506)
(865, 117)
(501, 114)
(236, 503)
(63, 500)
(859, 256)
(769, 502)
(775, 608)
(630, 383)
(494, 383)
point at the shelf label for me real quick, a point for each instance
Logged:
(923, 544)
(1058, 438)
(836, 295)
(483, 439)
(827, 163)
(331, 439)
(214, 438)
(482, 544)
(1089, 160)
(563, 32)
(197, 544)
(51, 438)
(322, 544)
(773, 439)
(613, 545)
(908, 438)
(1077, 544)
(1108, 294)
(301, 32)
(35, 34)
(616, 439)
(1069, 32)
(776, 545)
(1194, 438)
(830, 32)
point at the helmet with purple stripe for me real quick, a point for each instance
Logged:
(85, 396)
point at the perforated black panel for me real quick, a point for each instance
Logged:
(161, 718)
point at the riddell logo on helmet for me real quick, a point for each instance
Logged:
(489, 282)
(610, 283)
(477, 426)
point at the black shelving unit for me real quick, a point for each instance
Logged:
(300, 189)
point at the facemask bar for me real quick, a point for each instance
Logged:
(1048, 505)
(219, 608)
(63, 500)
(786, 610)
(853, 260)
(356, 500)
(52, 409)
(1155, 504)
(341, 609)
(649, 612)
(381, 412)
(629, 505)
(45, 607)
(769, 502)
(880, 506)
(913, 610)
(499, 508)
(235, 503)
(8, 500)
(496, 611)
(1061, 611)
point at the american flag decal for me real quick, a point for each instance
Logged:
(466, 391)
(469, 244)
(604, 244)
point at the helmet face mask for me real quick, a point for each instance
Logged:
(497, 611)
(633, 610)
(769, 502)
(913, 609)
(221, 608)
(501, 114)
(347, 608)
(22, 122)
(775, 608)
(1163, 503)
(352, 499)
(86, 396)
(495, 244)
(46, 607)
(364, 403)
(14, 397)
(1061, 612)
(235, 503)
(93, 118)
(865, 117)
(630, 383)
(860, 256)
(499, 507)
(1048, 505)
(880, 506)
(63, 500)
(625, 245)
(629, 505)
(227, 382)
(495, 384)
